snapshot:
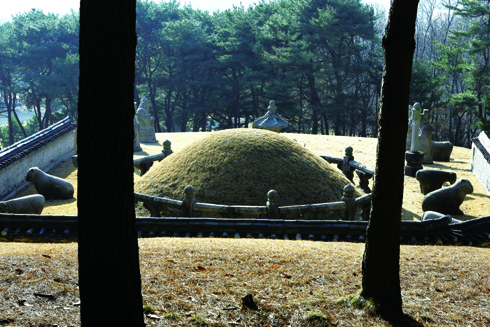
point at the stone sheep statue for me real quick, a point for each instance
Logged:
(431, 180)
(448, 199)
(51, 187)
(441, 151)
(31, 204)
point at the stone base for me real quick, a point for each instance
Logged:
(414, 163)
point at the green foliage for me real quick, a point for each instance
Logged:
(198, 68)
(318, 318)
(148, 309)
(358, 302)
(462, 102)
(198, 320)
(170, 316)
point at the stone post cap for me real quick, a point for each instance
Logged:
(272, 106)
(189, 191)
(273, 196)
(349, 191)
(416, 112)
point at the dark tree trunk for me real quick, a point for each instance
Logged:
(380, 266)
(107, 248)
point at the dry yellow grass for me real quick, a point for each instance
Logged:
(295, 283)
(291, 281)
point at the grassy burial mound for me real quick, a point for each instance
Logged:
(239, 167)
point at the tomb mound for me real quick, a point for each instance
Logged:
(239, 167)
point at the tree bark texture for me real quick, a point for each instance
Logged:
(109, 275)
(381, 279)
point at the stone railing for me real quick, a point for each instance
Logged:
(34, 228)
(44, 149)
(348, 208)
(345, 209)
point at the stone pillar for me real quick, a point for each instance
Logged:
(272, 207)
(346, 168)
(167, 148)
(188, 201)
(425, 138)
(350, 201)
(413, 157)
(415, 127)
(364, 180)
(409, 130)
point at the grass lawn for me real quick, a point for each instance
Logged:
(200, 282)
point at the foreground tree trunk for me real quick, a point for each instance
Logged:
(380, 266)
(109, 275)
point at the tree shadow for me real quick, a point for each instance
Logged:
(404, 320)
(406, 213)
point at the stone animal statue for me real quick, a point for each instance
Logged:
(431, 180)
(431, 215)
(448, 199)
(31, 204)
(441, 151)
(51, 187)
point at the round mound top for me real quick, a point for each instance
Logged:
(239, 167)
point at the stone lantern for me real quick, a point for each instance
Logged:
(271, 120)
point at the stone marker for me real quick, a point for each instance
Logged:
(51, 187)
(448, 199)
(30, 204)
(425, 138)
(414, 157)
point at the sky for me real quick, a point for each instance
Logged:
(62, 7)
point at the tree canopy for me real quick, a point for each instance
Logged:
(321, 60)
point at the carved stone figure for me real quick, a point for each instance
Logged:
(146, 129)
(431, 180)
(425, 137)
(31, 204)
(136, 139)
(51, 187)
(448, 199)
(442, 150)
(409, 130)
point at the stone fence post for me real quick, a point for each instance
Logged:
(350, 201)
(347, 170)
(272, 207)
(167, 148)
(188, 201)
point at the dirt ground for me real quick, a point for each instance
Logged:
(475, 205)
